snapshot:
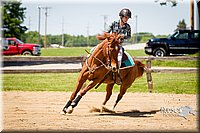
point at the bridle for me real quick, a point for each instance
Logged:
(108, 52)
(107, 65)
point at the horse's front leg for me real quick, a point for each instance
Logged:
(109, 88)
(81, 80)
(82, 92)
(123, 89)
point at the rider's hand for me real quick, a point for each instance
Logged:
(122, 36)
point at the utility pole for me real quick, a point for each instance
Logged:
(62, 31)
(136, 28)
(88, 27)
(45, 35)
(105, 18)
(198, 17)
(39, 24)
(192, 14)
(29, 28)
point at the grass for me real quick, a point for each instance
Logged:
(177, 63)
(70, 51)
(177, 83)
(80, 51)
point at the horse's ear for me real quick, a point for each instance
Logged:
(107, 35)
(100, 37)
(104, 36)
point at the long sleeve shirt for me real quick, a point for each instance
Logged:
(125, 30)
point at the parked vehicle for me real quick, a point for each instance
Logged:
(181, 42)
(13, 46)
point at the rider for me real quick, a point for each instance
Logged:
(123, 28)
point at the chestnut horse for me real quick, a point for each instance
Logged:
(102, 67)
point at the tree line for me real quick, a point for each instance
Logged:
(80, 40)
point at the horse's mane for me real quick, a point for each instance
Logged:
(103, 37)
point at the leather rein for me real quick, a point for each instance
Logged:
(108, 67)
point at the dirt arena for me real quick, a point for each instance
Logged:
(35, 111)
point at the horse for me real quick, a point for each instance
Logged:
(102, 67)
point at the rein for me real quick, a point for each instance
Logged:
(108, 67)
(90, 69)
(96, 59)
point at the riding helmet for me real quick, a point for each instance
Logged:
(125, 13)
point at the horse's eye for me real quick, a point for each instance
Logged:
(111, 49)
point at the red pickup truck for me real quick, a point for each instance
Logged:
(13, 46)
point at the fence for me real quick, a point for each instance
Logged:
(21, 61)
(149, 69)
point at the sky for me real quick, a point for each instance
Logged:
(86, 17)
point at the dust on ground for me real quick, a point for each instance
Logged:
(135, 112)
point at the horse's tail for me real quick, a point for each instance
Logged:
(141, 68)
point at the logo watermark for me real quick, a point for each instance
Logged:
(183, 111)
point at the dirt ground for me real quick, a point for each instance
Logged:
(35, 111)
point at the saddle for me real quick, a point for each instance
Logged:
(127, 60)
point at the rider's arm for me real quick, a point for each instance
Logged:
(127, 34)
(112, 28)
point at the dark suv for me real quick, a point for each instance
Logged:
(181, 42)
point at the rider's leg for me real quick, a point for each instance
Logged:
(120, 54)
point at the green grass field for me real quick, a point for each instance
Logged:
(70, 51)
(80, 51)
(177, 83)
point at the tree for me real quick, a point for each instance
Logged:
(181, 25)
(141, 37)
(30, 37)
(13, 17)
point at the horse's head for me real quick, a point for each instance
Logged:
(111, 49)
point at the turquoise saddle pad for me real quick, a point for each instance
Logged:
(127, 60)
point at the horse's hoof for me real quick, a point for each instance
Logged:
(62, 112)
(113, 108)
(105, 109)
(69, 110)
